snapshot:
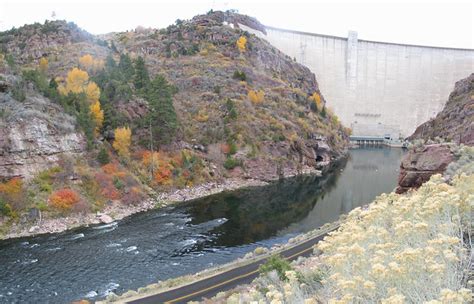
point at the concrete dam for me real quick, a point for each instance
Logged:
(378, 89)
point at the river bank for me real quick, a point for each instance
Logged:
(185, 238)
(116, 211)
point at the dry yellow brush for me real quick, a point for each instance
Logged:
(412, 248)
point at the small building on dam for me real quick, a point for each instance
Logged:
(378, 89)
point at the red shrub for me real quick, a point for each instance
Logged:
(64, 199)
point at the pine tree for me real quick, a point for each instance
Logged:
(125, 65)
(141, 79)
(162, 114)
(103, 156)
(110, 63)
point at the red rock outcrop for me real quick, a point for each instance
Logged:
(420, 164)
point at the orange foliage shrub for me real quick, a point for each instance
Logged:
(12, 193)
(110, 168)
(163, 174)
(12, 187)
(64, 199)
(161, 165)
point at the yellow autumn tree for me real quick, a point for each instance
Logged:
(316, 98)
(241, 44)
(122, 141)
(97, 115)
(76, 82)
(86, 61)
(43, 64)
(256, 97)
(92, 92)
(90, 63)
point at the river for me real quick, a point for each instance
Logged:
(166, 243)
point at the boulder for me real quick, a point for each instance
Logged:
(106, 219)
(420, 164)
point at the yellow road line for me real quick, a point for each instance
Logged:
(211, 287)
(230, 280)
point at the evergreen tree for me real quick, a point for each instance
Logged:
(85, 119)
(141, 79)
(110, 63)
(323, 112)
(162, 116)
(53, 84)
(103, 156)
(126, 67)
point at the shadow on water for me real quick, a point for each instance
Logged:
(257, 213)
(166, 243)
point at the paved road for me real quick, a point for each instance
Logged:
(209, 287)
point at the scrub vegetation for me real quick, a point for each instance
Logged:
(409, 248)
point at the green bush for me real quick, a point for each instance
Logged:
(44, 179)
(278, 264)
(118, 183)
(232, 148)
(231, 163)
(42, 206)
(230, 105)
(103, 156)
(239, 75)
(5, 208)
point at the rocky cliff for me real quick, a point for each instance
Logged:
(34, 132)
(421, 163)
(455, 122)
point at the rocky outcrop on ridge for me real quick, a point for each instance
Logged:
(455, 122)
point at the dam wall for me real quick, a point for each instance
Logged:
(376, 88)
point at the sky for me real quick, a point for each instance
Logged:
(423, 22)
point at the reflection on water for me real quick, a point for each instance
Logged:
(156, 245)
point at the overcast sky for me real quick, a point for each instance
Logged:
(436, 23)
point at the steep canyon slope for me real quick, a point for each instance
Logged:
(200, 100)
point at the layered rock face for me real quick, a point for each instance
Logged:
(420, 164)
(455, 122)
(34, 134)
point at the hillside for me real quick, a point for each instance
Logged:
(456, 121)
(91, 122)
